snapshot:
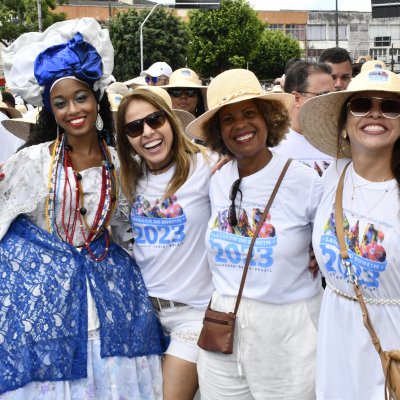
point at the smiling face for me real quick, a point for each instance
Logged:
(185, 102)
(373, 132)
(153, 145)
(244, 130)
(74, 107)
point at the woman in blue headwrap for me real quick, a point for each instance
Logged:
(75, 319)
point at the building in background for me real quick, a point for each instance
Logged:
(357, 32)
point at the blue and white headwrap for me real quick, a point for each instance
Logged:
(77, 48)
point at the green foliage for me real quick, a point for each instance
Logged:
(274, 51)
(20, 16)
(165, 38)
(224, 38)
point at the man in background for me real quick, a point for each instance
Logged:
(158, 74)
(340, 62)
(305, 80)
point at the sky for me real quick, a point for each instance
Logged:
(343, 5)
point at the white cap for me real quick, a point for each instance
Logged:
(158, 69)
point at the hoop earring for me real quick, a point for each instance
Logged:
(99, 120)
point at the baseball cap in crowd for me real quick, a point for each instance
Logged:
(157, 69)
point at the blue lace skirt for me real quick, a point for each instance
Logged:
(45, 350)
(111, 378)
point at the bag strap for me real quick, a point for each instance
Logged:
(253, 239)
(347, 264)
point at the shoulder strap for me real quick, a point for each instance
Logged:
(347, 263)
(253, 239)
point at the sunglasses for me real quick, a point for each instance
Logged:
(153, 79)
(232, 218)
(180, 92)
(154, 121)
(361, 106)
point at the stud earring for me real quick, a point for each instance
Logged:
(344, 134)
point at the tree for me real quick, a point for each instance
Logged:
(165, 38)
(20, 16)
(274, 51)
(224, 38)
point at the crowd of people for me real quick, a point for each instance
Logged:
(127, 209)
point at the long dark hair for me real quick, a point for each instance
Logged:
(45, 129)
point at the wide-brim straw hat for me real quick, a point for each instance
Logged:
(135, 82)
(229, 87)
(11, 112)
(118, 88)
(21, 127)
(319, 115)
(187, 78)
(184, 117)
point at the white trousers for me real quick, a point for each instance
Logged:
(274, 353)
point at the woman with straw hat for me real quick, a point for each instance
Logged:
(75, 319)
(166, 179)
(275, 337)
(361, 127)
(187, 91)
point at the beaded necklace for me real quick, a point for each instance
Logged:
(73, 211)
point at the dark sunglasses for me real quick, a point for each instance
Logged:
(180, 92)
(154, 121)
(232, 218)
(153, 79)
(361, 106)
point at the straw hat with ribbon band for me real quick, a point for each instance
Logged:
(21, 127)
(320, 115)
(184, 117)
(187, 78)
(36, 60)
(230, 87)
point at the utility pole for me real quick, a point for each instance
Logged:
(141, 35)
(392, 58)
(337, 24)
(39, 12)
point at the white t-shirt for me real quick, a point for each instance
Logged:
(9, 143)
(348, 367)
(278, 271)
(169, 245)
(296, 146)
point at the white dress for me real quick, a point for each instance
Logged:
(348, 367)
(24, 191)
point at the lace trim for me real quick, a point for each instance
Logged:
(43, 307)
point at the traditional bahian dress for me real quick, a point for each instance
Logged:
(71, 327)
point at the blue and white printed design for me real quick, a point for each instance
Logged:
(367, 255)
(161, 224)
(231, 243)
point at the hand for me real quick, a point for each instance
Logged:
(313, 265)
(221, 162)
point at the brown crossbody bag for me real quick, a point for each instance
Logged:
(219, 327)
(390, 360)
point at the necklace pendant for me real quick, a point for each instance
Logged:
(83, 211)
